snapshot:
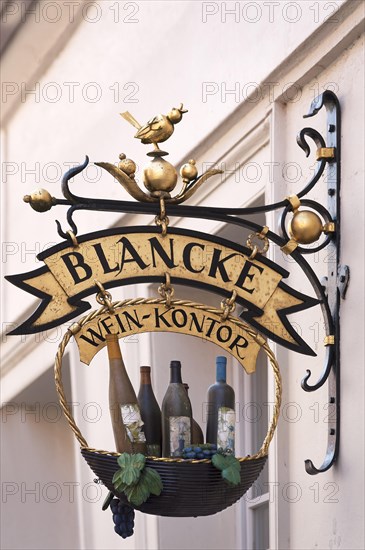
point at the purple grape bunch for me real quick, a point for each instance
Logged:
(199, 452)
(123, 517)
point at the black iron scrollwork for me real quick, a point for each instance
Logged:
(71, 198)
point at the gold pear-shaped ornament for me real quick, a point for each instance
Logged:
(159, 177)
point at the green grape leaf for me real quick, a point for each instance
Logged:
(153, 481)
(137, 494)
(219, 461)
(229, 466)
(120, 486)
(149, 483)
(130, 468)
(232, 461)
(124, 460)
(136, 481)
(117, 476)
(231, 475)
(139, 461)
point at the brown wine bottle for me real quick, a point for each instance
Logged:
(197, 436)
(151, 413)
(124, 409)
(176, 415)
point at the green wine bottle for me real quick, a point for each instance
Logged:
(176, 415)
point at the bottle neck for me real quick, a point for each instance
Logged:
(175, 372)
(113, 347)
(221, 374)
(145, 376)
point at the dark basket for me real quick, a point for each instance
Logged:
(189, 489)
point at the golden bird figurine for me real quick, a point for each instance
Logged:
(159, 128)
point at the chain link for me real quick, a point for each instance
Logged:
(104, 298)
(166, 290)
(161, 219)
(228, 305)
(255, 249)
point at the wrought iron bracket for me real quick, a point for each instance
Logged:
(335, 282)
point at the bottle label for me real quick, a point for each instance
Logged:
(132, 421)
(180, 434)
(226, 428)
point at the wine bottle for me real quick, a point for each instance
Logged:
(176, 415)
(196, 431)
(220, 411)
(124, 409)
(151, 413)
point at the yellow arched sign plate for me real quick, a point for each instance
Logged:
(139, 316)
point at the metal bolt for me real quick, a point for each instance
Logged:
(331, 128)
(332, 431)
(342, 279)
(331, 192)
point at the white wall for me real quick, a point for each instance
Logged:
(333, 496)
(40, 488)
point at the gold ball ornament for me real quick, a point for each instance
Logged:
(128, 166)
(40, 200)
(189, 171)
(305, 227)
(159, 176)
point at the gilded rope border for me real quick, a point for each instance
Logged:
(131, 302)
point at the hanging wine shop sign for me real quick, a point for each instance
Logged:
(124, 256)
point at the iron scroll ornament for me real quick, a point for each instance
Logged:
(328, 294)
